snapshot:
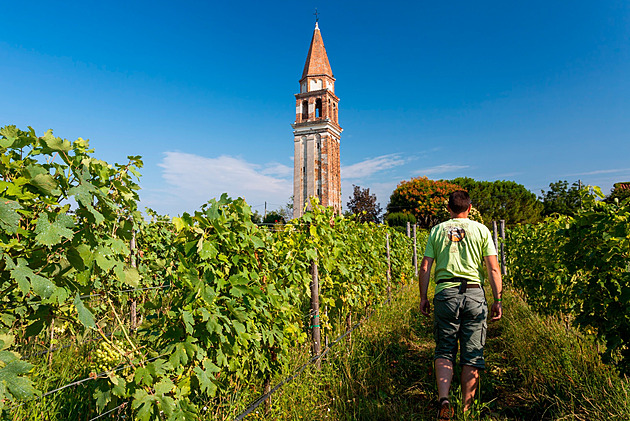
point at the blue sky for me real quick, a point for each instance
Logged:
(533, 92)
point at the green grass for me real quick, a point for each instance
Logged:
(540, 368)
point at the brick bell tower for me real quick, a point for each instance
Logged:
(316, 133)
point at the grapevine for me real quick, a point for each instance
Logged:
(235, 295)
(578, 267)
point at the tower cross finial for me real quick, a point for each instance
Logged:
(316, 15)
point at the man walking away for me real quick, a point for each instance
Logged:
(462, 251)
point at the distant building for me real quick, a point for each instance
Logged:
(622, 186)
(316, 133)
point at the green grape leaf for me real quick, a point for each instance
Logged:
(132, 277)
(11, 134)
(119, 388)
(143, 377)
(143, 402)
(74, 257)
(189, 321)
(34, 328)
(208, 251)
(258, 242)
(83, 193)
(9, 217)
(118, 246)
(27, 279)
(6, 341)
(185, 411)
(19, 387)
(164, 386)
(206, 383)
(103, 397)
(104, 259)
(9, 356)
(43, 287)
(55, 144)
(85, 315)
(45, 183)
(50, 233)
(238, 327)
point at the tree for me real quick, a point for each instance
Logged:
(364, 206)
(423, 198)
(256, 217)
(501, 199)
(273, 217)
(561, 199)
(287, 211)
(620, 191)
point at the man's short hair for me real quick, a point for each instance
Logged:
(459, 201)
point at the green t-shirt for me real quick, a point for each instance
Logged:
(458, 247)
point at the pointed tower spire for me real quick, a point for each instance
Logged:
(316, 133)
(317, 60)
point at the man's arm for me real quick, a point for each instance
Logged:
(494, 276)
(425, 277)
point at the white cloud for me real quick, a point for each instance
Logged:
(441, 169)
(277, 169)
(191, 180)
(597, 172)
(370, 166)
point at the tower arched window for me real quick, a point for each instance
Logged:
(304, 110)
(318, 108)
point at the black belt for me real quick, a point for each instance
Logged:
(463, 283)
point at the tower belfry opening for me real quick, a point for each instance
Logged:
(316, 133)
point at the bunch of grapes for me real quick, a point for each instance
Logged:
(105, 358)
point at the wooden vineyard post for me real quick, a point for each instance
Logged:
(348, 327)
(389, 269)
(52, 338)
(132, 248)
(503, 265)
(415, 252)
(408, 229)
(267, 389)
(317, 345)
(494, 235)
(326, 337)
(134, 264)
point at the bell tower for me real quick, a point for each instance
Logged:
(316, 133)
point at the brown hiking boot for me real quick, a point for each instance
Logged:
(445, 412)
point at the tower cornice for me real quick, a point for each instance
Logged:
(320, 92)
(311, 127)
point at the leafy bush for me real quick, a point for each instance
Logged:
(399, 219)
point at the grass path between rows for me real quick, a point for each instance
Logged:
(536, 370)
